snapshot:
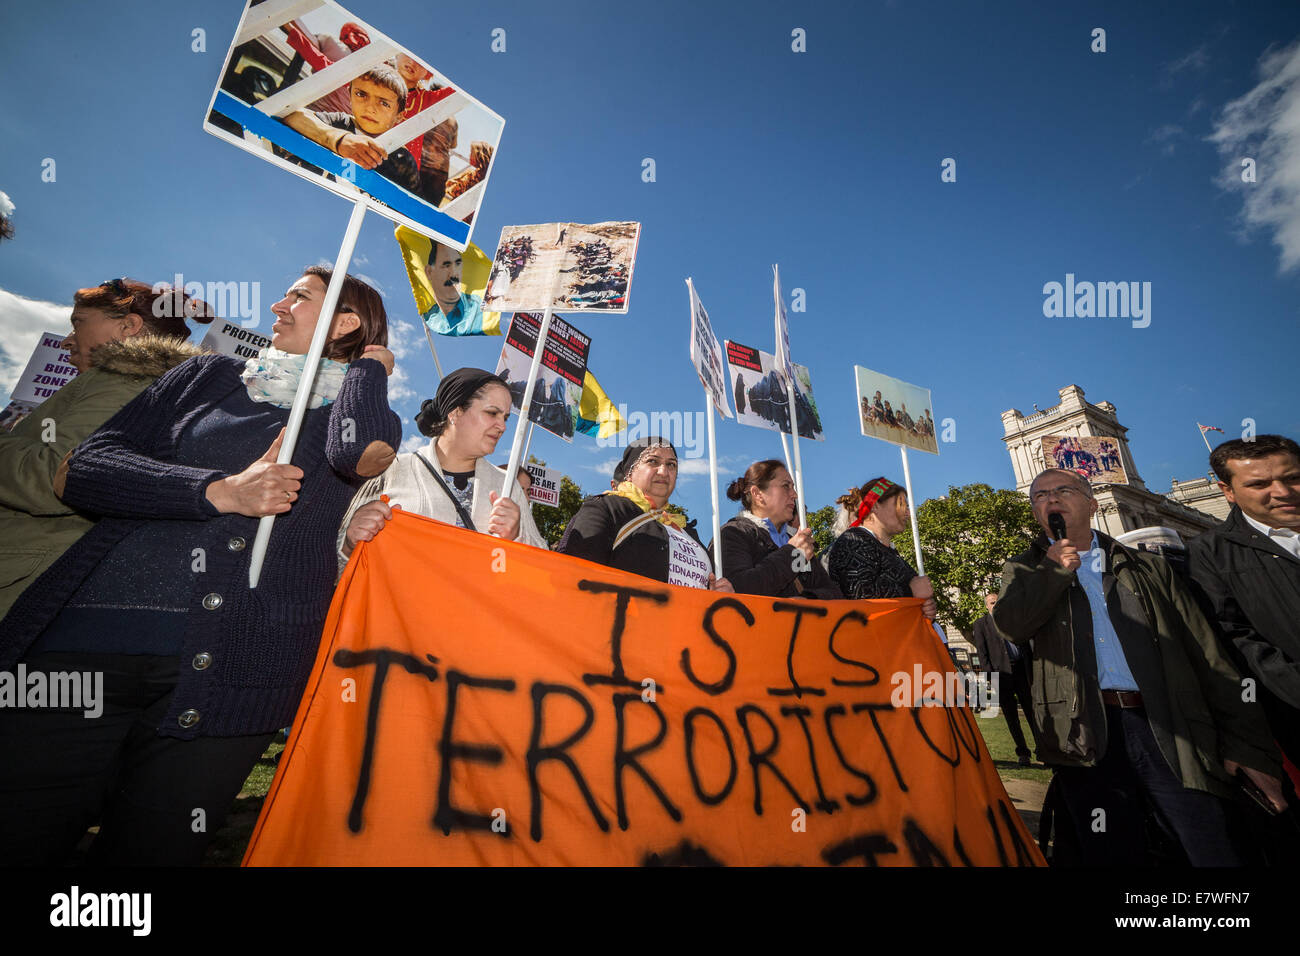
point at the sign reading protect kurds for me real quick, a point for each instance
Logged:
(537, 709)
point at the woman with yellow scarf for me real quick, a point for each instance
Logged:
(628, 527)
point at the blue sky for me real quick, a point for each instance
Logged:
(1099, 164)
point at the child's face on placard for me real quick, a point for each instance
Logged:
(374, 106)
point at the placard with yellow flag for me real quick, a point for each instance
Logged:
(537, 709)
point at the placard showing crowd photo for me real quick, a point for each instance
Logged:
(557, 393)
(319, 92)
(761, 396)
(564, 266)
(894, 411)
(1097, 459)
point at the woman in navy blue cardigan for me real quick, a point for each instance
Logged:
(196, 670)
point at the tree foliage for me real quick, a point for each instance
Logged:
(965, 539)
(821, 522)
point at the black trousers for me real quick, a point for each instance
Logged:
(1107, 803)
(1013, 690)
(158, 800)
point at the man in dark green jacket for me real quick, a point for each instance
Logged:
(1134, 703)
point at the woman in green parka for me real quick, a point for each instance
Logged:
(124, 336)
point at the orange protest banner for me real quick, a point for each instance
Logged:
(480, 702)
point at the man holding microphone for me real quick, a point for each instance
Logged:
(1135, 704)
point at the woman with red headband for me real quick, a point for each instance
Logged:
(862, 561)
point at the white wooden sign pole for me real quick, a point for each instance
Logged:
(517, 445)
(300, 398)
(713, 487)
(794, 440)
(785, 450)
(428, 335)
(911, 510)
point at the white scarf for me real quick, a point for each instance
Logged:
(272, 376)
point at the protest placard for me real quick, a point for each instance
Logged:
(602, 718)
(760, 393)
(320, 92)
(564, 266)
(545, 489)
(1095, 457)
(47, 371)
(557, 393)
(231, 338)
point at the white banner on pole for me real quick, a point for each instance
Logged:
(706, 354)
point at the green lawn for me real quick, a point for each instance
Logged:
(1003, 750)
(228, 846)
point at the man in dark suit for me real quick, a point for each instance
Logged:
(1011, 665)
(1249, 570)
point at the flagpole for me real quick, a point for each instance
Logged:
(713, 488)
(528, 441)
(517, 445)
(1201, 428)
(427, 335)
(794, 440)
(911, 510)
(308, 377)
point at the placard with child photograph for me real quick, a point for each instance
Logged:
(319, 92)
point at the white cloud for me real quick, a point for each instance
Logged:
(22, 321)
(1166, 137)
(400, 336)
(1264, 125)
(6, 204)
(413, 443)
(1198, 59)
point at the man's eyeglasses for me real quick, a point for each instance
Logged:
(1065, 492)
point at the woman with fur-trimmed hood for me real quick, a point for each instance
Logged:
(124, 337)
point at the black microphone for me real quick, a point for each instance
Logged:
(1057, 524)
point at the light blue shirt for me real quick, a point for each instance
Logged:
(780, 536)
(465, 319)
(1112, 666)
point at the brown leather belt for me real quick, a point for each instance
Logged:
(1128, 699)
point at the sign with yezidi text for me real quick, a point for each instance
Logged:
(545, 489)
(564, 266)
(557, 393)
(883, 413)
(759, 390)
(230, 338)
(318, 91)
(594, 717)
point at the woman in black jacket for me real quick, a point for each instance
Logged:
(630, 529)
(762, 553)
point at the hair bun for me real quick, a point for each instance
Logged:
(427, 417)
(736, 490)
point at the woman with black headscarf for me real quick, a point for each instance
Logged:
(450, 479)
(630, 528)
